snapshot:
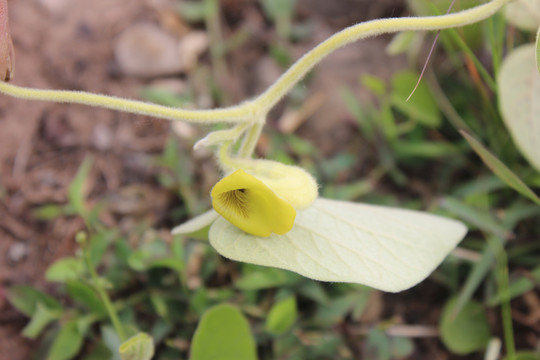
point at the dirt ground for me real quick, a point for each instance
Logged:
(69, 44)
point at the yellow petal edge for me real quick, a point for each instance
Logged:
(292, 183)
(249, 204)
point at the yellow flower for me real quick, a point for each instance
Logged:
(261, 198)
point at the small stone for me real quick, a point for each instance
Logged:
(102, 137)
(55, 7)
(191, 46)
(146, 50)
(17, 252)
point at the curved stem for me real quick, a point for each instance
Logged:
(250, 140)
(366, 29)
(238, 113)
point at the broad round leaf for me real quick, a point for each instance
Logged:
(519, 100)
(466, 331)
(223, 333)
(385, 248)
(524, 14)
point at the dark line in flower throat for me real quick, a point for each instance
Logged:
(235, 201)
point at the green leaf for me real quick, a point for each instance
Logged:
(41, 317)
(516, 288)
(424, 149)
(523, 355)
(67, 343)
(421, 107)
(266, 278)
(282, 316)
(386, 248)
(401, 42)
(86, 295)
(76, 190)
(111, 341)
(138, 347)
(479, 217)
(25, 299)
(466, 332)
(519, 94)
(223, 333)
(192, 11)
(99, 352)
(524, 14)
(65, 269)
(501, 170)
(377, 345)
(276, 9)
(538, 50)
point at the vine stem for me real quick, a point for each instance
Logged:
(254, 110)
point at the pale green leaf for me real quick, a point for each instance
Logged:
(524, 14)
(422, 106)
(76, 189)
(519, 100)
(138, 347)
(65, 269)
(467, 331)
(282, 316)
(499, 169)
(26, 299)
(41, 317)
(223, 334)
(385, 248)
(67, 343)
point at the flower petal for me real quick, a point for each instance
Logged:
(291, 183)
(250, 205)
(385, 248)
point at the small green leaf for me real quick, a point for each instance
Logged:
(519, 94)
(538, 50)
(377, 345)
(41, 317)
(466, 332)
(86, 295)
(499, 169)
(76, 190)
(401, 42)
(25, 299)
(276, 9)
(99, 352)
(111, 341)
(192, 11)
(524, 356)
(481, 218)
(223, 333)
(67, 343)
(65, 269)
(421, 107)
(282, 316)
(374, 83)
(138, 347)
(265, 278)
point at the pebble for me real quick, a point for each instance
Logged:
(146, 50)
(17, 252)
